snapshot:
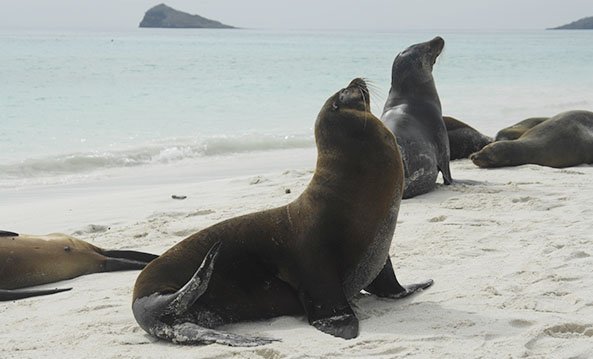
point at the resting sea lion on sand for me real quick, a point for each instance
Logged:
(310, 256)
(562, 141)
(29, 260)
(463, 139)
(517, 130)
(413, 113)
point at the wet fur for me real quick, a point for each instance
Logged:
(413, 113)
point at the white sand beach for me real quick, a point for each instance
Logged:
(511, 257)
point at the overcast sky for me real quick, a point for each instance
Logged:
(302, 14)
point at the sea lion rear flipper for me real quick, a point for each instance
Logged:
(167, 316)
(386, 284)
(14, 294)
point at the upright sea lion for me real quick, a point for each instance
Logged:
(562, 141)
(463, 139)
(517, 130)
(413, 113)
(29, 260)
(310, 256)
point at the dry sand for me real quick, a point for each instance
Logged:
(511, 257)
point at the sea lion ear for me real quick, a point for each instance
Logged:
(335, 106)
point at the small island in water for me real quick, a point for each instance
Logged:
(164, 16)
(582, 24)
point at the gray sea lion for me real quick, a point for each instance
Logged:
(463, 139)
(310, 256)
(562, 141)
(30, 260)
(517, 130)
(413, 113)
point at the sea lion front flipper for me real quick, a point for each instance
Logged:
(8, 234)
(131, 255)
(337, 319)
(386, 284)
(120, 260)
(326, 305)
(14, 294)
(446, 172)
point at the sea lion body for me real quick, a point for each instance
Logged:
(517, 130)
(564, 140)
(413, 113)
(30, 260)
(307, 257)
(463, 139)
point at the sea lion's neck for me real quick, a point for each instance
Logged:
(517, 152)
(402, 93)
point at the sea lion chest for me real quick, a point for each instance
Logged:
(374, 256)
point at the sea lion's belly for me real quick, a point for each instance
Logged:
(374, 257)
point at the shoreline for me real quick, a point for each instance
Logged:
(510, 255)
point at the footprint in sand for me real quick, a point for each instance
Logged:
(569, 331)
(92, 228)
(520, 323)
(578, 255)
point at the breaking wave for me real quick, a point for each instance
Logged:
(158, 153)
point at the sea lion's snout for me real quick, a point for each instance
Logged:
(356, 95)
(437, 44)
(358, 83)
(480, 158)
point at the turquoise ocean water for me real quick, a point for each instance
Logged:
(74, 103)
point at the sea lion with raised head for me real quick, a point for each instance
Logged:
(517, 130)
(309, 257)
(463, 139)
(564, 140)
(413, 113)
(30, 260)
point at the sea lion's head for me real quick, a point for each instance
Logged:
(496, 154)
(414, 64)
(354, 97)
(345, 112)
(346, 124)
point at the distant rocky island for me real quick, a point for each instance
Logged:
(164, 16)
(582, 24)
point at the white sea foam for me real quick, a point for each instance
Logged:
(161, 153)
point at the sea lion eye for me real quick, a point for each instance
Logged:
(335, 105)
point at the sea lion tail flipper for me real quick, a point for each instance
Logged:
(386, 284)
(166, 315)
(131, 255)
(14, 294)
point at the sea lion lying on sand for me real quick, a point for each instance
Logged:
(30, 260)
(517, 130)
(463, 139)
(562, 141)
